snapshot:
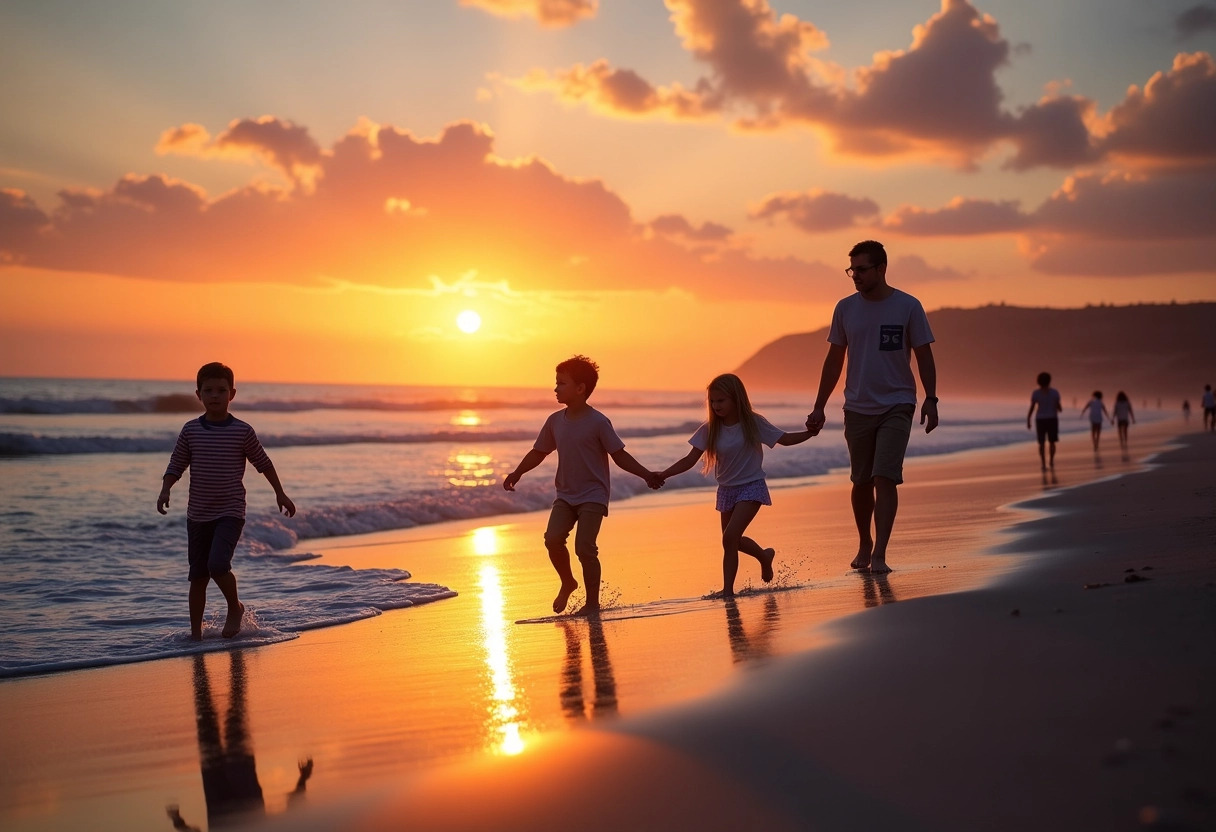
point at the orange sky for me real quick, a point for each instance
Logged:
(666, 189)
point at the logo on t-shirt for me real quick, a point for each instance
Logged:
(891, 337)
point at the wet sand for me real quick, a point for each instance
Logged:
(1006, 696)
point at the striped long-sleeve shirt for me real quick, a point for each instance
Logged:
(215, 453)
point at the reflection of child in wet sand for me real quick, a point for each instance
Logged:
(1123, 413)
(1047, 421)
(584, 440)
(1097, 414)
(733, 441)
(215, 447)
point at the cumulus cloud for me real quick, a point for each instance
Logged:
(1195, 20)
(816, 210)
(547, 12)
(281, 144)
(1172, 119)
(20, 221)
(392, 209)
(619, 92)
(677, 226)
(961, 217)
(914, 270)
(937, 99)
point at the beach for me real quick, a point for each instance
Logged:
(1007, 675)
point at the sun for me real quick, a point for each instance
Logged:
(468, 321)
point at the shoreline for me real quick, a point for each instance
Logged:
(412, 697)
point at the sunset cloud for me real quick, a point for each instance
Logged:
(1195, 20)
(1172, 119)
(278, 143)
(547, 12)
(938, 99)
(961, 217)
(388, 209)
(816, 210)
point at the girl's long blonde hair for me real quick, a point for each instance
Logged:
(731, 386)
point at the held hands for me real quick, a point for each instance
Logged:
(655, 480)
(815, 421)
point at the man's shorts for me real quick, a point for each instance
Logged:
(1047, 429)
(877, 443)
(211, 544)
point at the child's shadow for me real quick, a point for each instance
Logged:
(230, 778)
(574, 703)
(757, 645)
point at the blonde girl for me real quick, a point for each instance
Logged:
(732, 441)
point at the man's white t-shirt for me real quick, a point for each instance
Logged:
(879, 336)
(583, 446)
(737, 462)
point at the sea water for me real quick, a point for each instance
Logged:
(91, 574)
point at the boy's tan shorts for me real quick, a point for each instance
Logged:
(877, 443)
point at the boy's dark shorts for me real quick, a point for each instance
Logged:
(211, 544)
(877, 443)
(1047, 429)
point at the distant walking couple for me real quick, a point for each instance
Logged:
(877, 329)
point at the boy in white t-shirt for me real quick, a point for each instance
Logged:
(584, 440)
(879, 328)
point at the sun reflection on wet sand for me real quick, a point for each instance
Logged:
(503, 721)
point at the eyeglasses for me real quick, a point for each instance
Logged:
(859, 270)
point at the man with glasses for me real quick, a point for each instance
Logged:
(879, 328)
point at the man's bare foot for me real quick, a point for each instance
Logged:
(232, 625)
(563, 597)
(862, 561)
(878, 566)
(721, 593)
(196, 636)
(586, 611)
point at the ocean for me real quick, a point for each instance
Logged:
(91, 574)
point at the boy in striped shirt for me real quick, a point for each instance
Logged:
(214, 447)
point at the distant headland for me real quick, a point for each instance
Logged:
(1151, 351)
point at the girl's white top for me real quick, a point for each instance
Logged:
(737, 461)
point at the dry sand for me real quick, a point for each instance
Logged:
(1005, 696)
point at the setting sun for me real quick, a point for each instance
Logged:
(468, 321)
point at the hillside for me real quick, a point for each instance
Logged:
(1150, 351)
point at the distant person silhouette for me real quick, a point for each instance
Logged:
(1046, 400)
(1123, 414)
(1097, 413)
(1186, 411)
(1209, 408)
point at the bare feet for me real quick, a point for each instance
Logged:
(196, 636)
(232, 625)
(766, 565)
(563, 597)
(878, 566)
(862, 561)
(586, 612)
(721, 593)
